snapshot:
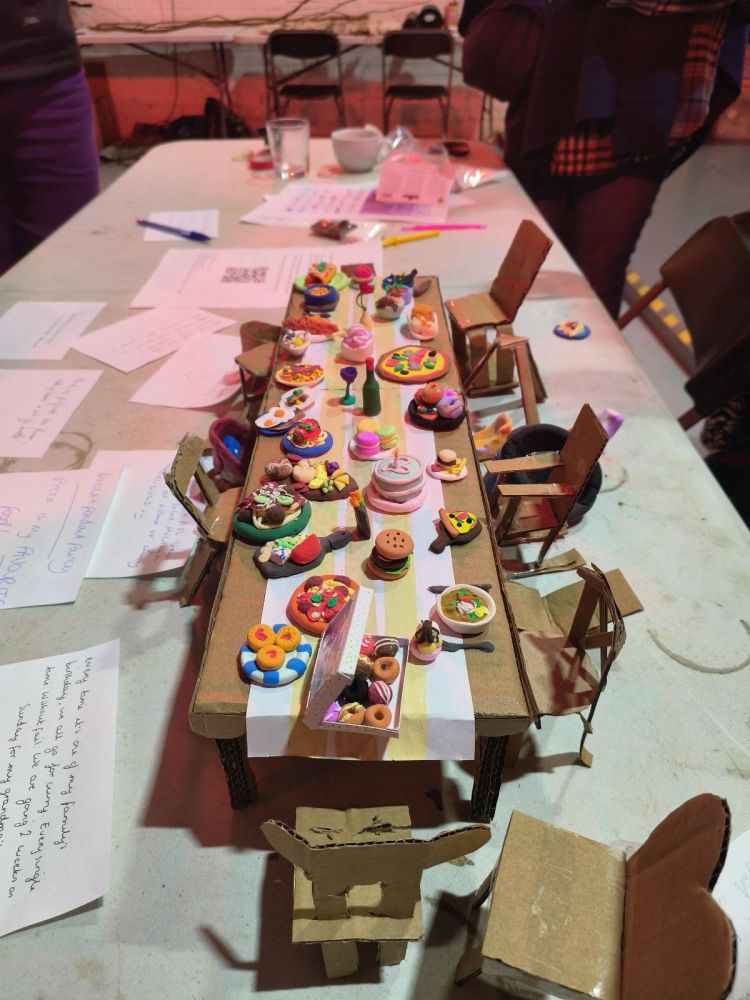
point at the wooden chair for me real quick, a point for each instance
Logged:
(214, 521)
(709, 277)
(313, 49)
(538, 511)
(472, 315)
(572, 917)
(414, 44)
(562, 677)
(357, 877)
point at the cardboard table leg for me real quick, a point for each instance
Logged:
(243, 788)
(469, 966)
(488, 778)
(340, 958)
(392, 952)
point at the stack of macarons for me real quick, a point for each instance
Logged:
(390, 557)
(371, 441)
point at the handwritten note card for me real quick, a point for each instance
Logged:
(240, 278)
(49, 523)
(141, 339)
(147, 530)
(732, 892)
(202, 373)
(36, 406)
(204, 221)
(44, 330)
(57, 748)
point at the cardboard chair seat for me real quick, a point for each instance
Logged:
(563, 678)
(533, 514)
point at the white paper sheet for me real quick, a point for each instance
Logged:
(141, 339)
(198, 220)
(37, 403)
(49, 524)
(202, 373)
(58, 721)
(146, 530)
(44, 330)
(732, 892)
(303, 204)
(241, 278)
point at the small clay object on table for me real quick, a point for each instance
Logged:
(278, 470)
(420, 287)
(358, 274)
(320, 298)
(448, 467)
(389, 306)
(318, 328)
(426, 642)
(356, 691)
(456, 527)
(572, 330)
(413, 363)
(307, 439)
(317, 601)
(295, 342)
(423, 322)
(361, 515)
(269, 512)
(398, 485)
(295, 373)
(357, 343)
(277, 662)
(276, 420)
(322, 480)
(298, 554)
(390, 557)
(436, 407)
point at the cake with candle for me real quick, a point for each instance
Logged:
(398, 485)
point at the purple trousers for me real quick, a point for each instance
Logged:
(48, 160)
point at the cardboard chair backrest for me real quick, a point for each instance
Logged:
(580, 453)
(608, 631)
(396, 865)
(186, 467)
(677, 941)
(519, 268)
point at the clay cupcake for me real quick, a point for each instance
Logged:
(357, 343)
(426, 642)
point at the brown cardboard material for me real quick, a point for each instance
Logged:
(357, 877)
(573, 918)
(555, 612)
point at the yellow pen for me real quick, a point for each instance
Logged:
(392, 241)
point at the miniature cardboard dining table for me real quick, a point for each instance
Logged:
(496, 680)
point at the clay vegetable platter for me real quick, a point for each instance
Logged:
(317, 601)
(413, 363)
(294, 374)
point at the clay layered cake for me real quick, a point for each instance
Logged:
(398, 485)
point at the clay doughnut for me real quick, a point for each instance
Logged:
(385, 668)
(378, 716)
(353, 714)
(270, 657)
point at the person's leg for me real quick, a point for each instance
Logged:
(609, 214)
(54, 170)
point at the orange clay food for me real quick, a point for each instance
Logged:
(288, 637)
(316, 325)
(259, 636)
(378, 716)
(353, 714)
(270, 657)
(385, 668)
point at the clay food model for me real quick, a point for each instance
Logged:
(423, 322)
(295, 342)
(397, 486)
(297, 553)
(278, 470)
(317, 327)
(359, 274)
(461, 605)
(448, 467)
(307, 439)
(400, 286)
(320, 273)
(273, 657)
(364, 702)
(294, 374)
(391, 555)
(371, 441)
(389, 306)
(361, 516)
(426, 642)
(413, 364)
(276, 420)
(320, 298)
(298, 399)
(357, 343)
(271, 511)
(322, 480)
(436, 407)
(456, 527)
(317, 601)
(572, 330)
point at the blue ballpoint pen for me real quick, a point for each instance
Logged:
(188, 234)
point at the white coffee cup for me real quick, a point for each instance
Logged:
(358, 149)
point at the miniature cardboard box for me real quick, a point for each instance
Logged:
(576, 919)
(335, 665)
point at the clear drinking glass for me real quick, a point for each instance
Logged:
(289, 141)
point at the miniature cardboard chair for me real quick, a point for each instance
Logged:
(538, 511)
(471, 315)
(562, 676)
(214, 523)
(258, 348)
(573, 918)
(357, 877)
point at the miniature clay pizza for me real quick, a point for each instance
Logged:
(296, 373)
(317, 601)
(413, 363)
(297, 553)
(279, 661)
(456, 527)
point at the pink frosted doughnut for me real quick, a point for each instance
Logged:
(379, 693)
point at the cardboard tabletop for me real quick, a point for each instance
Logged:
(220, 698)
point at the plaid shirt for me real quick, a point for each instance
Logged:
(589, 151)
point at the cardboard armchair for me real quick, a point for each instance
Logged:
(357, 876)
(576, 919)
(538, 511)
